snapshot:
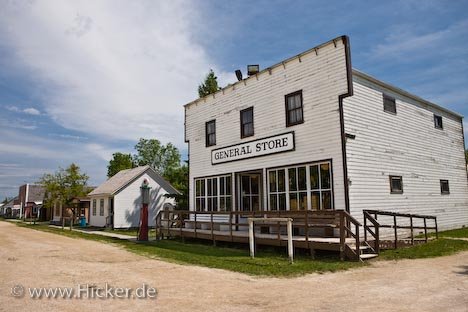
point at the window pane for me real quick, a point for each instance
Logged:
(215, 203)
(246, 203)
(303, 201)
(326, 200)
(228, 203)
(222, 186)
(272, 181)
(302, 180)
(254, 180)
(325, 176)
(202, 204)
(202, 187)
(293, 203)
(315, 200)
(282, 201)
(396, 184)
(292, 179)
(299, 115)
(209, 185)
(255, 203)
(245, 181)
(228, 185)
(215, 186)
(314, 177)
(210, 204)
(222, 204)
(273, 203)
(281, 182)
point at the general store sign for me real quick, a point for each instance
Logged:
(271, 145)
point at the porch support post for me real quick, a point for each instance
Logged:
(251, 238)
(290, 241)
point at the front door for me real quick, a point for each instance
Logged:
(250, 191)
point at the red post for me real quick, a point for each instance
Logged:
(143, 232)
(145, 198)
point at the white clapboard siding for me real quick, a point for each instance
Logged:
(406, 144)
(127, 203)
(98, 220)
(322, 78)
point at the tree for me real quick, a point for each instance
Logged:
(179, 179)
(6, 200)
(160, 157)
(209, 86)
(119, 162)
(64, 185)
(466, 155)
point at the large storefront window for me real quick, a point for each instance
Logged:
(213, 194)
(293, 188)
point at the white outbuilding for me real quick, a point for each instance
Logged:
(116, 203)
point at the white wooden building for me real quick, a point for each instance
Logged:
(312, 133)
(117, 202)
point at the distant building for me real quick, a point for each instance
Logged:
(31, 197)
(12, 208)
(116, 203)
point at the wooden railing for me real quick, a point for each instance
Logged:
(372, 217)
(303, 222)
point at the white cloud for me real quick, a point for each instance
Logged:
(31, 111)
(116, 69)
(409, 42)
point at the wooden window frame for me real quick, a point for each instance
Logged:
(309, 190)
(205, 197)
(442, 191)
(437, 117)
(290, 124)
(392, 191)
(207, 135)
(242, 123)
(391, 98)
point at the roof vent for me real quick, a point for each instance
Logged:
(253, 69)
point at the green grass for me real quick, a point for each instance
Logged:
(266, 262)
(129, 232)
(434, 248)
(457, 233)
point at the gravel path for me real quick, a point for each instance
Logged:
(38, 259)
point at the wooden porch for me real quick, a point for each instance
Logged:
(312, 230)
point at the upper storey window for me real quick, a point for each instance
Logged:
(247, 122)
(210, 129)
(438, 122)
(294, 111)
(389, 104)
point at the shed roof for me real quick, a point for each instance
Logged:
(124, 177)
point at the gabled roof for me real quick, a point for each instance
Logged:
(123, 178)
(36, 193)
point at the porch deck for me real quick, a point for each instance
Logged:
(312, 230)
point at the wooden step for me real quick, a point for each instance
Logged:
(369, 256)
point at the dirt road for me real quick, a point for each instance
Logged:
(37, 259)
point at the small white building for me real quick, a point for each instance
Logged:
(313, 133)
(117, 202)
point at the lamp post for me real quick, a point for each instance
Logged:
(145, 199)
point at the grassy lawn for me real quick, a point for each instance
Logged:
(266, 263)
(457, 233)
(129, 232)
(434, 248)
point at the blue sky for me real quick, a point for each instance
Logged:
(80, 80)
